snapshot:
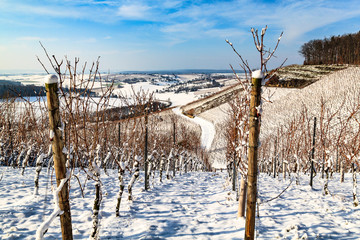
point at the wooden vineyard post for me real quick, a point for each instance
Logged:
(174, 133)
(174, 146)
(312, 155)
(119, 134)
(254, 130)
(275, 157)
(234, 173)
(51, 86)
(242, 197)
(146, 163)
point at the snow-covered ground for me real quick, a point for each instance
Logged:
(177, 99)
(191, 206)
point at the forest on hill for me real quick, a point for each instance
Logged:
(14, 89)
(343, 49)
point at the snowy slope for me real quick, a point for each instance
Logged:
(333, 89)
(190, 206)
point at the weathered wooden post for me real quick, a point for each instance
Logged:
(254, 130)
(242, 197)
(146, 163)
(234, 173)
(174, 146)
(312, 170)
(51, 86)
(337, 158)
(119, 134)
(275, 157)
(174, 133)
(355, 198)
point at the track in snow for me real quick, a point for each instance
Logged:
(207, 129)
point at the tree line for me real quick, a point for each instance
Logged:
(9, 89)
(343, 49)
(14, 90)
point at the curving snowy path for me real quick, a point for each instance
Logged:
(207, 128)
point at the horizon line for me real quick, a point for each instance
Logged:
(185, 70)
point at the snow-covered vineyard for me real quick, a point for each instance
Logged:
(191, 206)
(162, 175)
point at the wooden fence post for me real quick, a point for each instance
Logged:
(51, 86)
(254, 130)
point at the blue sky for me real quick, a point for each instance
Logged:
(163, 35)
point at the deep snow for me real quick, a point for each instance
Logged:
(190, 206)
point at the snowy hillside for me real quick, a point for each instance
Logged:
(185, 200)
(180, 88)
(333, 89)
(281, 104)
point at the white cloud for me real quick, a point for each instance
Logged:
(29, 38)
(61, 9)
(34, 38)
(88, 40)
(181, 32)
(109, 52)
(225, 33)
(134, 11)
(52, 11)
(172, 3)
(172, 41)
(190, 28)
(178, 33)
(297, 18)
(178, 27)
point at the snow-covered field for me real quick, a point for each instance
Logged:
(127, 89)
(197, 205)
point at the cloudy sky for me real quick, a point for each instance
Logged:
(164, 34)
